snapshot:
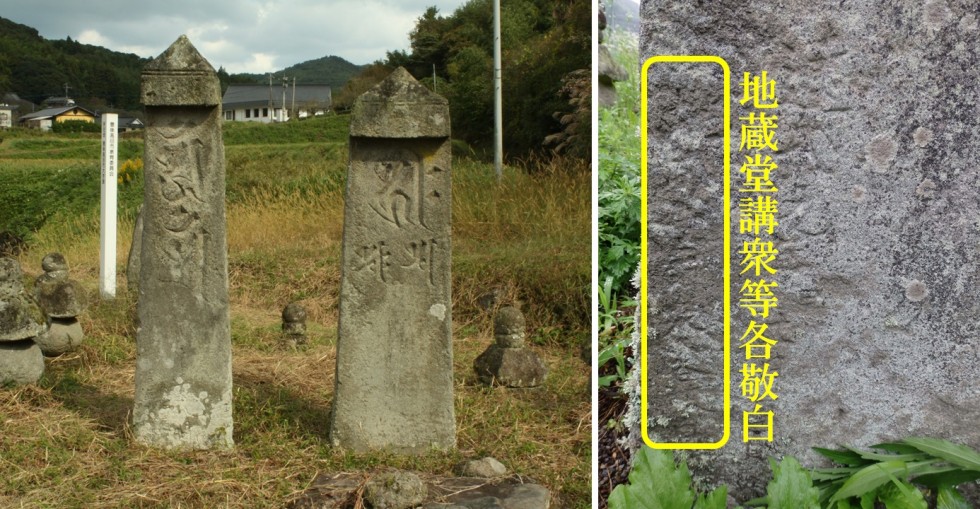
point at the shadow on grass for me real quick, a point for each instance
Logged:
(264, 405)
(110, 411)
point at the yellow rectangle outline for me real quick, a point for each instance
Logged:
(726, 258)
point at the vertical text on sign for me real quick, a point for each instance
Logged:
(724, 276)
(107, 230)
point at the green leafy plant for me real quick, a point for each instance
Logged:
(791, 487)
(899, 475)
(890, 472)
(615, 328)
(619, 172)
(658, 482)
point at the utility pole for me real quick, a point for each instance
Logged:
(66, 93)
(285, 85)
(292, 107)
(272, 104)
(498, 122)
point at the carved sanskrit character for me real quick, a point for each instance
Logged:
(179, 183)
(401, 199)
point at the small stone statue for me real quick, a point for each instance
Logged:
(62, 301)
(21, 321)
(294, 324)
(507, 362)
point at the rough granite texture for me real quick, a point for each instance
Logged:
(133, 260)
(11, 277)
(395, 490)
(20, 318)
(499, 492)
(394, 373)
(183, 360)
(21, 362)
(62, 336)
(510, 367)
(879, 220)
(59, 297)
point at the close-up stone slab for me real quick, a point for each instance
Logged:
(878, 266)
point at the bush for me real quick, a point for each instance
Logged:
(76, 126)
(619, 174)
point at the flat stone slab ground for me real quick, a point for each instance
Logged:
(345, 490)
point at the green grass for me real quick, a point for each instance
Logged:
(66, 442)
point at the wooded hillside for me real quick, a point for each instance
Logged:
(36, 68)
(543, 44)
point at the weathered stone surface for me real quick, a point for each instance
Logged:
(395, 490)
(294, 322)
(133, 260)
(183, 367)
(483, 467)
(394, 373)
(609, 70)
(55, 265)
(21, 362)
(528, 496)
(686, 251)
(878, 261)
(400, 107)
(20, 318)
(59, 297)
(62, 336)
(179, 77)
(609, 73)
(510, 367)
(507, 362)
(11, 277)
(340, 490)
(509, 328)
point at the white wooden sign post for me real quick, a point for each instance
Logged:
(107, 235)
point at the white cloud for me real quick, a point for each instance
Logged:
(241, 36)
(92, 37)
(259, 63)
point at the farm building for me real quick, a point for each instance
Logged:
(44, 119)
(261, 103)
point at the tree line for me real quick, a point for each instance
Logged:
(546, 57)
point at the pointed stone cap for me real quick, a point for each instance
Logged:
(180, 76)
(400, 107)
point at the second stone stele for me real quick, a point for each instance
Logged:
(183, 344)
(394, 387)
(507, 362)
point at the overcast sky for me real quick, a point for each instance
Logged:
(255, 36)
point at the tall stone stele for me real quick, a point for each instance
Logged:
(394, 350)
(183, 363)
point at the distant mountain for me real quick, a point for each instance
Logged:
(330, 70)
(36, 68)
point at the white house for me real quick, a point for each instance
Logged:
(6, 115)
(262, 103)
